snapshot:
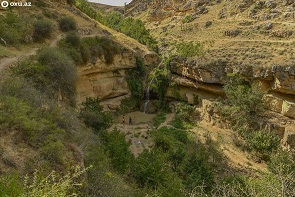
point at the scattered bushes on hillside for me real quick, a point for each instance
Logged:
(131, 27)
(87, 50)
(67, 24)
(55, 73)
(42, 29)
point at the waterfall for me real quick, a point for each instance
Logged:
(147, 98)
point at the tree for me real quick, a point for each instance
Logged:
(118, 150)
(93, 115)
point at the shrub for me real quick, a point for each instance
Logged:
(282, 162)
(14, 29)
(71, 2)
(73, 39)
(61, 72)
(190, 49)
(93, 48)
(54, 184)
(67, 24)
(42, 29)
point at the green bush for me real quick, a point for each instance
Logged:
(67, 24)
(184, 117)
(14, 29)
(71, 2)
(53, 151)
(100, 178)
(60, 71)
(190, 49)
(42, 29)
(93, 48)
(73, 39)
(263, 143)
(282, 162)
(54, 184)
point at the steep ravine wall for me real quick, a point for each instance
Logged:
(204, 79)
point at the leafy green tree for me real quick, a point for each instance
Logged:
(198, 171)
(134, 82)
(114, 19)
(93, 115)
(151, 170)
(264, 143)
(118, 150)
(243, 102)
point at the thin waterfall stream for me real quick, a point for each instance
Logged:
(147, 98)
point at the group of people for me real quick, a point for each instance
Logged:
(130, 120)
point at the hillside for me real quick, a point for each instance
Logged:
(172, 98)
(258, 33)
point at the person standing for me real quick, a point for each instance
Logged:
(130, 120)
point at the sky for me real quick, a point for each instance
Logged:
(111, 2)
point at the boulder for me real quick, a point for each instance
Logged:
(273, 103)
(289, 137)
(288, 109)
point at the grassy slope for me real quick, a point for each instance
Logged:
(250, 47)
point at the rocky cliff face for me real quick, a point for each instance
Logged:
(278, 82)
(108, 81)
(204, 80)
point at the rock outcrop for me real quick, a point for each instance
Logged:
(278, 82)
(108, 81)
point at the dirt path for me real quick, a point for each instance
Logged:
(7, 62)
